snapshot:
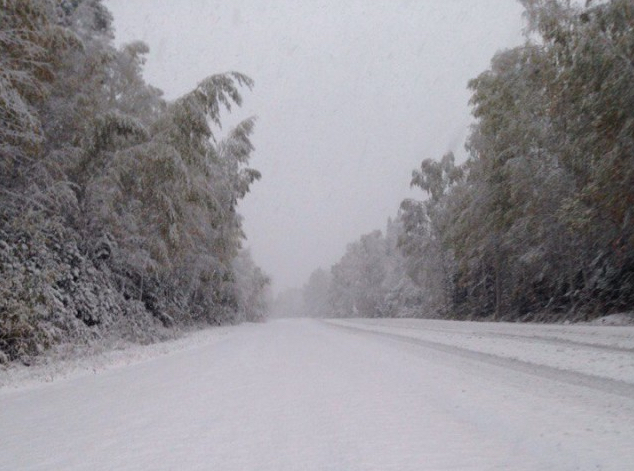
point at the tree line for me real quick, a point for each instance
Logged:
(537, 224)
(117, 207)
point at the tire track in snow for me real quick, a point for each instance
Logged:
(575, 378)
(535, 338)
(561, 341)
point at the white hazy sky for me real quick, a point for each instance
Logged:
(351, 95)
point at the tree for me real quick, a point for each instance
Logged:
(429, 261)
(29, 38)
(118, 210)
(252, 288)
(315, 294)
(541, 226)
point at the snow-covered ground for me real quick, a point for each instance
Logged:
(338, 395)
(605, 352)
(72, 361)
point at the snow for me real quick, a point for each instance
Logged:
(605, 352)
(310, 395)
(73, 361)
(621, 318)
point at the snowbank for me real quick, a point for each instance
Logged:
(72, 361)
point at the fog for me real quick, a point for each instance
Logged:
(350, 97)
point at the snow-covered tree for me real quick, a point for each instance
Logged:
(423, 238)
(358, 277)
(541, 227)
(252, 288)
(118, 210)
(315, 294)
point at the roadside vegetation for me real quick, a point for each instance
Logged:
(117, 208)
(538, 223)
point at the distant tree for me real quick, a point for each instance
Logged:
(425, 230)
(288, 303)
(404, 297)
(370, 280)
(316, 293)
(357, 279)
(251, 288)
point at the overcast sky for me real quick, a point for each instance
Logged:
(351, 95)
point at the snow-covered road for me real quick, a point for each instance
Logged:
(343, 395)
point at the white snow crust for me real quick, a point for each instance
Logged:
(606, 351)
(309, 395)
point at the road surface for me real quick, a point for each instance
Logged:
(343, 395)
